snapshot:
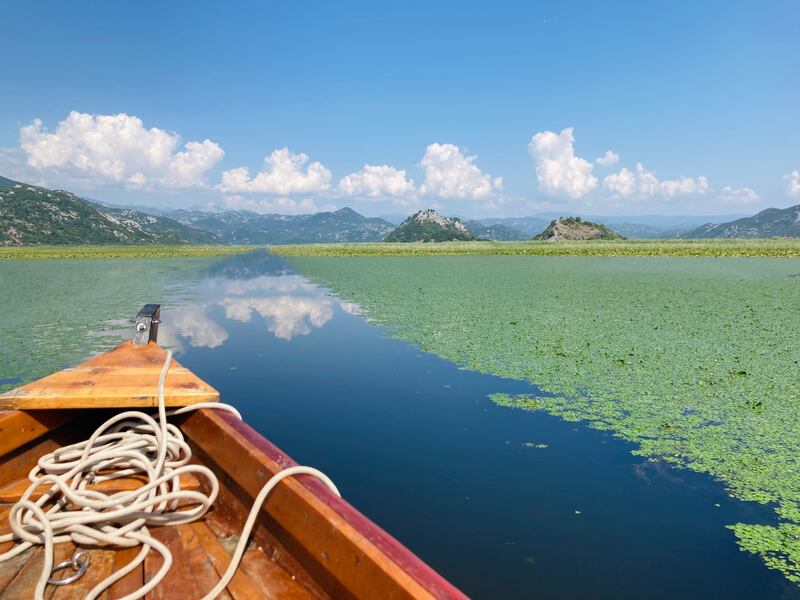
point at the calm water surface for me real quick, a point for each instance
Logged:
(504, 503)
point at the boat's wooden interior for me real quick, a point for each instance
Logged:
(308, 543)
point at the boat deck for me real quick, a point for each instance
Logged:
(201, 552)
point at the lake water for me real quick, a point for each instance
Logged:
(504, 503)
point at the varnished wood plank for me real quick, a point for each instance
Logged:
(127, 376)
(241, 586)
(179, 581)
(344, 551)
(17, 464)
(61, 552)
(101, 564)
(24, 582)
(17, 428)
(132, 581)
(271, 577)
(201, 563)
(13, 491)
(5, 528)
(10, 568)
(227, 517)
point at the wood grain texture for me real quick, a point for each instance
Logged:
(131, 582)
(13, 491)
(127, 376)
(272, 578)
(257, 572)
(18, 428)
(101, 565)
(180, 581)
(226, 520)
(24, 581)
(17, 464)
(200, 563)
(10, 568)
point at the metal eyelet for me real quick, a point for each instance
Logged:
(79, 562)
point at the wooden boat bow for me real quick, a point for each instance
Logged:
(307, 543)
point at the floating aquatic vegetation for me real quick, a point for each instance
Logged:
(695, 360)
(779, 546)
(540, 445)
(59, 312)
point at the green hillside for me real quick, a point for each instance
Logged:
(31, 215)
(772, 222)
(246, 227)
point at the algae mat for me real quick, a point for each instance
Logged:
(58, 312)
(696, 360)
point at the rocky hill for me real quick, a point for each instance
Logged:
(36, 215)
(429, 226)
(772, 222)
(245, 227)
(575, 228)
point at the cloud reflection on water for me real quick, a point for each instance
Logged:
(290, 305)
(193, 322)
(287, 315)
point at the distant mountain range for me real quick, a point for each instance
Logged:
(245, 227)
(772, 222)
(498, 232)
(36, 215)
(429, 226)
(527, 226)
(630, 226)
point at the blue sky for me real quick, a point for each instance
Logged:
(443, 101)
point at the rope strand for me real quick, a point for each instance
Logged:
(129, 444)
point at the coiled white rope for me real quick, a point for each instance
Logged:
(131, 443)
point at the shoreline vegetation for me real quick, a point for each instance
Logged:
(138, 251)
(773, 247)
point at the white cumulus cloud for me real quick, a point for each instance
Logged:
(281, 205)
(792, 181)
(378, 181)
(642, 183)
(608, 159)
(118, 149)
(451, 174)
(559, 171)
(740, 196)
(622, 183)
(284, 173)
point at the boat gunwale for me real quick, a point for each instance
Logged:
(391, 548)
